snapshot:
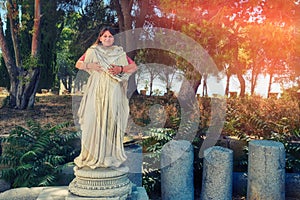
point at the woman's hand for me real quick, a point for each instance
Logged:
(116, 69)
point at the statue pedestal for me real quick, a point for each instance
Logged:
(101, 183)
(138, 193)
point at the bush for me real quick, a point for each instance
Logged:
(269, 119)
(248, 118)
(157, 138)
(35, 156)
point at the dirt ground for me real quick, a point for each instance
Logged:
(48, 109)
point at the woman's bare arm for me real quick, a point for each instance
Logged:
(87, 66)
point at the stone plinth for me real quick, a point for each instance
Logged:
(266, 170)
(101, 183)
(217, 174)
(138, 193)
(177, 179)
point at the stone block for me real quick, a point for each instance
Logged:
(266, 170)
(53, 193)
(217, 174)
(177, 178)
(21, 194)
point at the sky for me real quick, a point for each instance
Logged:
(217, 87)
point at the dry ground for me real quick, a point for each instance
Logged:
(48, 109)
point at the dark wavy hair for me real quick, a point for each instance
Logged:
(102, 31)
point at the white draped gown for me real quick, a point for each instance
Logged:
(103, 112)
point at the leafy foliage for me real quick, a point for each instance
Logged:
(34, 156)
(270, 119)
(153, 146)
(280, 132)
(248, 118)
(140, 108)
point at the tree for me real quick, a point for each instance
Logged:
(78, 31)
(195, 19)
(87, 22)
(23, 72)
(125, 21)
(168, 75)
(28, 47)
(53, 15)
(132, 14)
(151, 70)
(156, 63)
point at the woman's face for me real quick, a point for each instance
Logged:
(107, 39)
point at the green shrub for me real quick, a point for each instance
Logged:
(157, 138)
(35, 155)
(292, 148)
(270, 119)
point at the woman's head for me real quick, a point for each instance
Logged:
(106, 36)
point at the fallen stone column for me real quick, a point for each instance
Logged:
(266, 170)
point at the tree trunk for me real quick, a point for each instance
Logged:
(27, 89)
(36, 29)
(188, 91)
(116, 5)
(10, 65)
(227, 85)
(12, 12)
(196, 84)
(126, 6)
(189, 108)
(23, 81)
(70, 81)
(67, 83)
(204, 91)
(253, 81)
(242, 84)
(270, 85)
(143, 6)
(151, 85)
(123, 9)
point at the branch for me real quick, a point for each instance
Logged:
(11, 12)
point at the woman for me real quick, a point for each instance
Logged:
(104, 108)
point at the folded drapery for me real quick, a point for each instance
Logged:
(103, 111)
(111, 55)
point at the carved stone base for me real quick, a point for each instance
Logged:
(106, 183)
